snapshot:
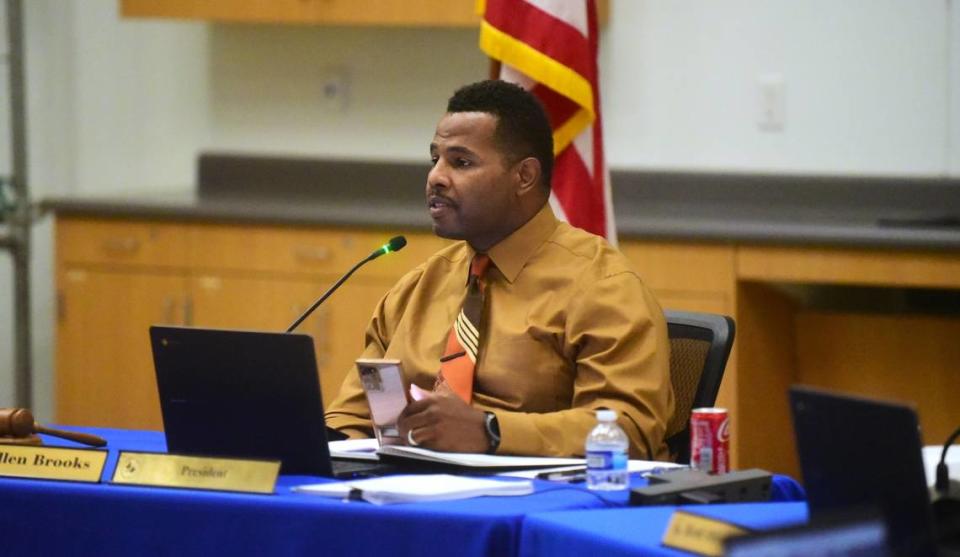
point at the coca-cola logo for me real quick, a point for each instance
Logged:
(723, 432)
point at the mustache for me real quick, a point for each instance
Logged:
(434, 197)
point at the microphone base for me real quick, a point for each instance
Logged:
(946, 512)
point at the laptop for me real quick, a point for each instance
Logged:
(246, 394)
(858, 454)
(843, 536)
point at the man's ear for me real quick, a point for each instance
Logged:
(528, 174)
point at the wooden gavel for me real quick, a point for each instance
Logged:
(18, 423)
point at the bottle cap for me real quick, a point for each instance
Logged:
(606, 415)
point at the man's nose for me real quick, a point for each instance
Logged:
(437, 177)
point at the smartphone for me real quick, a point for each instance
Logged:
(387, 396)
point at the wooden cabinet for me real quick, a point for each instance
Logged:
(104, 366)
(116, 278)
(385, 13)
(685, 276)
(439, 13)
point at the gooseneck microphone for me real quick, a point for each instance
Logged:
(395, 244)
(943, 472)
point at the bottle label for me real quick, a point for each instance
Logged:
(606, 460)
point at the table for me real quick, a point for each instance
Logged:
(63, 518)
(637, 531)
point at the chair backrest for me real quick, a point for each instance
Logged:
(700, 344)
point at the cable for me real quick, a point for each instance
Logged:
(604, 500)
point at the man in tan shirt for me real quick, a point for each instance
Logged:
(568, 326)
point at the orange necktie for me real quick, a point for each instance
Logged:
(460, 356)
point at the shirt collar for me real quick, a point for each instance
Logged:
(513, 252)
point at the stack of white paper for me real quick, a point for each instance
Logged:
(477, 460)
(355, 449)
(369, 449)
(416, 488)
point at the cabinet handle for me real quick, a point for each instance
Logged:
(169, 311)
(311, 254)
(121, 246)
(188, 311)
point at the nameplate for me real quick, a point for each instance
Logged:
(52, 463)
(196, 472)
(699, 534)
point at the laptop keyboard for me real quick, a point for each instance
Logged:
(360, 468)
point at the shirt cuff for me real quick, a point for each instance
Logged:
(518, 435)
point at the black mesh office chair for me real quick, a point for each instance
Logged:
(700, 344)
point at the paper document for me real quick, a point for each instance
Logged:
(355, 449)
(476, 460)
(417, 488)
(632, 466)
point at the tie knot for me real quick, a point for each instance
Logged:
(479, 265)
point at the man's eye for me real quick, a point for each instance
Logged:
(464, 162)
(433, 160)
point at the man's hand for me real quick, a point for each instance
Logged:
(442, 421)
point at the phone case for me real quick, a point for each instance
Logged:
(386, 391)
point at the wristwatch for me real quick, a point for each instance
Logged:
(493, 431)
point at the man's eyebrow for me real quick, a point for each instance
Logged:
(460, 149)
(451, 150)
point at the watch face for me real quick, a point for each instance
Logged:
(493, 430)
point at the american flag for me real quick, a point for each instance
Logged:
(550, 48)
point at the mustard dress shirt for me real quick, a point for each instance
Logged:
(568, 328)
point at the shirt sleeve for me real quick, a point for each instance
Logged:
(617, 333)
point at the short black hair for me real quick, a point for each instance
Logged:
(523, 128)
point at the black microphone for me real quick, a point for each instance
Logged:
(943, 472)
(946, 504)
(395, 244)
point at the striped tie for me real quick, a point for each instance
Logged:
(460, 356)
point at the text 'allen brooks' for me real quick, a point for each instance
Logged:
(45, 461)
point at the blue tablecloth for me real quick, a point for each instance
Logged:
(636, 531)
(63, 518)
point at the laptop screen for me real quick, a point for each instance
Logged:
(243, 394)
(861, 453)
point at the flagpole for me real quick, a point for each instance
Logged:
(494, 69)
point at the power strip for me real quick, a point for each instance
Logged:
(692, 486)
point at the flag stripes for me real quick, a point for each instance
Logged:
(550, 48)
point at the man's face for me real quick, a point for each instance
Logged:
(471, 191)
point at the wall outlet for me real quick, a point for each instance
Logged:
(335, 89)
(772, 106)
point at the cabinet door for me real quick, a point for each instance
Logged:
(331, 12)
(690, 277)
(105, 374)
(342, 325)
(272, 304)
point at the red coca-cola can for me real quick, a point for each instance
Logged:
(710, 440)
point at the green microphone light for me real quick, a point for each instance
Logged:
(395, 244)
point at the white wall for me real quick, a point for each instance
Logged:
(952, 146)
(125, 105)
(266, 84)
(865, 82)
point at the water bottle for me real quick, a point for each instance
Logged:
(607, 454)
